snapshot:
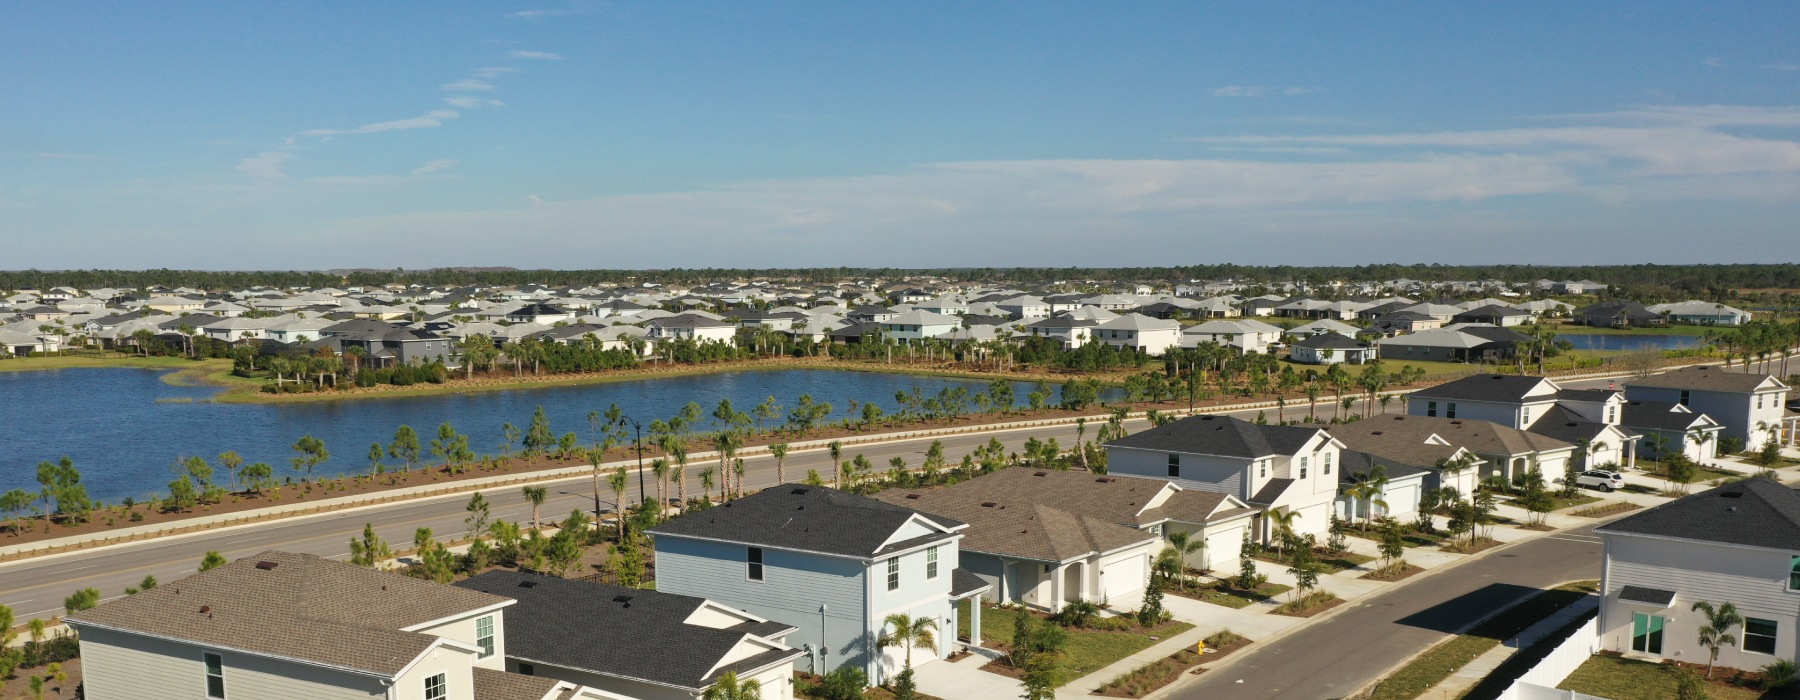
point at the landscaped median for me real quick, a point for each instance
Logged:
(1437, 663)
(1150, 677)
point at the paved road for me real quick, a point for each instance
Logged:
(36, 587)
(1335, 656)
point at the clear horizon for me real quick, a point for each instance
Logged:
(588, 135)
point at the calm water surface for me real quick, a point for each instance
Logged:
(127, 443)
(1604, 341)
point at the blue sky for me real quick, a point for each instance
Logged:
(596, 134)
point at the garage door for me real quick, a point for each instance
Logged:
(1222, 547)
(1122, 580)
(1402, 502)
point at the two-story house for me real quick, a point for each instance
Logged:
(1151, 336)
(638, 643)
(1246, 336)
(832, 564)
(1498, 450)
(1044, 537)
(1595, 420)
(1738, 543)
(1269, 467)
(1750, 405)
(691, 326)
(918, 325)
(298, 626)
(1071, 332)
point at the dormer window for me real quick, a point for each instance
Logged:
(1325, 464)
(1262, 470)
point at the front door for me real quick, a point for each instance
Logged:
(1646, 633)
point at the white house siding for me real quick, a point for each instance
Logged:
(917, 597)
(453, 663)
(1120, 578)
(462, 629)
(794, 585)
(1736, 411)
(1755, 580)
(121, 666)
(1198, 472)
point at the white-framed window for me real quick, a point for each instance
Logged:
(1450, 410)
(484, 635)
(1325, 463)
(931, 562)
(215, 675)
(1525, 415)
(1262, 469)
(1759, 400)
(893, 572)
(1684, 397)
(1430, 409)
(1759, 635)
(1174, 464)
(753, 563)
(437, 687)
(1794, 574)
(1302, 467)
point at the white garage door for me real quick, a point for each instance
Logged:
(1402, 502)
(1122, 580)
(1222, 548)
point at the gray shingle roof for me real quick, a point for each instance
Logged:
(964, 582)
(1641, 594)
(1703, 379)
(1223, 436)
(1485, 387)
(1755, 512)
(805, 518)
(327, 612)
(500, 685)
(1657, 415)
(580, 625)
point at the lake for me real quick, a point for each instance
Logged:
(1612, 341)
(127, 443)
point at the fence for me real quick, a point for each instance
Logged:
(1540, 682)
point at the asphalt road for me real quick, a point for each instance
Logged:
(1335, 656)
(36, 587)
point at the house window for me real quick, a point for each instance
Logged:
(1612, 414)
(1794, 574)
(1759, 400)
(1174, 465)
(1325, 465)
(527, 669)
(931, 559)
(215, 676)
(1430, 409)
(753, 563)
(894, 574)
(1302, 467)
(437, 688)
(1450, 410)
(1262, 470)
(484, 636)
(1759, 635)
(1684, 397)
(1646, 633)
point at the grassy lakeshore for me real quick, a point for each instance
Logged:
(37, 364)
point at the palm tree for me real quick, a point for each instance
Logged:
(908, 632)
(837, 456)
(536, 495)
(1182, 544)
(728, 687)
(618, 481)
(780, 450)
(660, 468)
(678, 475)
(1716, 632)
(1283, 520)
(706, 483)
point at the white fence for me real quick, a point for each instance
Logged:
(1540, 682)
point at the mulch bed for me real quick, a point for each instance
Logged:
(1460, 546)
(874, 693)
(20, 686)
(1605, 509)
(1315, 609)
(1537, 528)
(1403, 572)
(1166, 671)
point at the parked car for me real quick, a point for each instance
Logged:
(1600, 479)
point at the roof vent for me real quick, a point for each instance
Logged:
(206, 610)
(1732, 494)
(798, 492)
(1569, 424)
(913, 496)
(1207, 417)
(1039, 473)
(1105, 480)
(1456, 422)
(989, 504)
(528, 584)
(1376, 432)
(267, 565)
(621, 599)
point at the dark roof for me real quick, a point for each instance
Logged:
(1039, 514)
(1653, 596)
(579, 625)
(1567, 426)
(1271, 491)
(964, 583)
(1703, 379)
(1328, 341)
(1492, 310)
(1486, 387)
(1353, 467)
(808, 519)
(1623, 308)
(1657, 415)
(1594, 395)
(1756, 512)
(1222, 436)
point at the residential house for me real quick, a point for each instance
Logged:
(1594, 419)
(1394, 488)
(1269, 467)
(1071, 332)
(1151, 336)
(1737, 544)
(386, 344)
(915, 325)
(300, 626)
(1330, 349)
(679, 646)
(1671, 428)
(1462, 342)
(1404, 322)
(1494, 315)
(1702, 313)
(1750, 405)
(1246, 335)
(832, 564)
(1323, 325)
(1622, 313)
(1045, 537)
(691, 326)
(540, 312)
(1503, 451)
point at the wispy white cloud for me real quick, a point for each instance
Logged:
(431, 119)
(435, 166)
(536, 55)
(467, 102)
(1261, 90)
(533, 199)
(539, 14)
(1713, 62)
(266, 166)
(494, 71)
(470, 85)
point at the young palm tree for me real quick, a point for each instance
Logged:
(1716, 632)
(837, 458)
(536, 495)
(1182, 544)
(677, 474)
(907, 631)
(780, 450)
(1283, 520)
(729, 687)
(618, 482)
(660, 468)
(706, 483)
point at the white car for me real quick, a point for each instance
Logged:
(1601, 479)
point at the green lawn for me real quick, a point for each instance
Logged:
(1088, 650)
(1411, 538)
(1332, 563)
(1614, 677)
(1222, 593)
(1559, 502)
(29, 364)
(1436, 664)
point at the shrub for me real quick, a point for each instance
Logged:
(846, 683)
(1780, 674)
(1222, 638)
